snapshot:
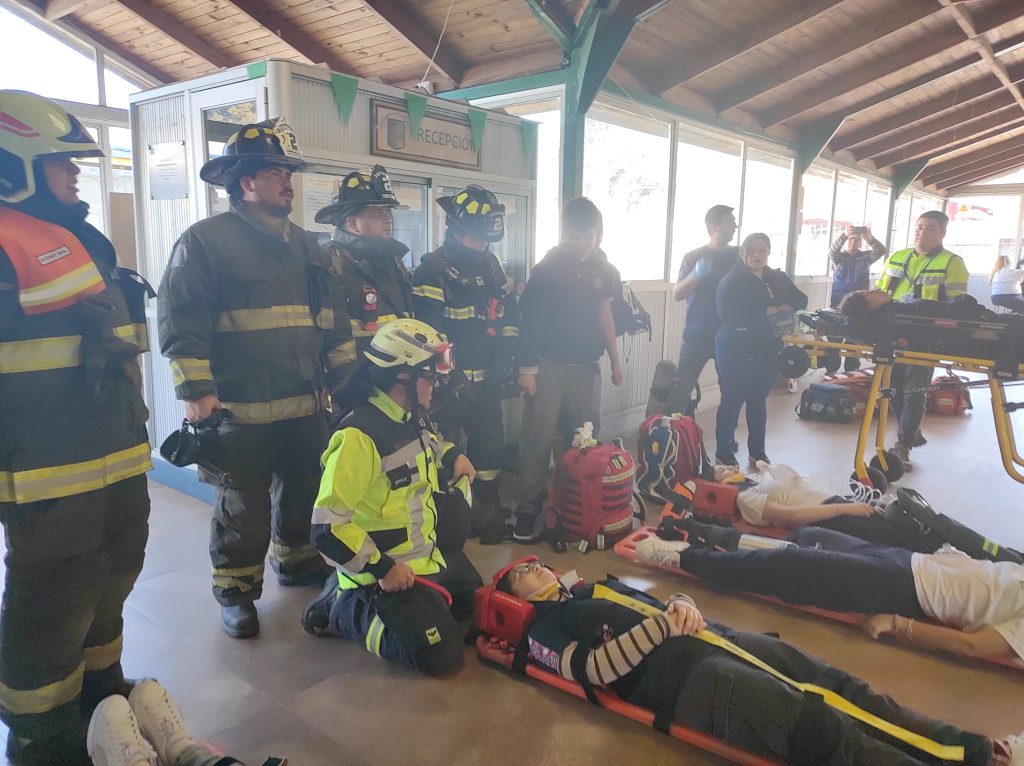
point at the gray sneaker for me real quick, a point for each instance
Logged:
(903, 453)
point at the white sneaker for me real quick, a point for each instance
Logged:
(160, 721)
(1015, 744)
(114, 738)
(664, 552)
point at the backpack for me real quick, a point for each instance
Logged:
(670, 451)
(827, 402)
(951, 398)
(859, 383)
(591, 497)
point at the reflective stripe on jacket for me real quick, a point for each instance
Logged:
(258, 321)
(376, 499)
(908, 274)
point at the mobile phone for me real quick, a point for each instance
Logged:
(860, 229)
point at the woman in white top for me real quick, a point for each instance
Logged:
(1006, 291)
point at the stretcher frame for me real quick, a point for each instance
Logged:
(626, 547)
(878, 394)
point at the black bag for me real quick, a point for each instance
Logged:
(826, 402)
(418, 617)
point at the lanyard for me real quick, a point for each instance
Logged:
(833, 700)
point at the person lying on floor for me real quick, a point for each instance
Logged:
(981, 602)
(659, 662)
(878, 304)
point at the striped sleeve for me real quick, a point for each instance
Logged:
(621, 655)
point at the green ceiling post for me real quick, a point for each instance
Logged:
(505, 87)
(809, 144)
(904, 175)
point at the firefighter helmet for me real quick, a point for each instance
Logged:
(476, 212)
(370, 187)
(410, 343)
(31, 128)
(271, 142)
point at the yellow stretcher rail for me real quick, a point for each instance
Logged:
(1001, 408)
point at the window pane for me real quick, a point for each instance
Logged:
(813, 233)
(410, 226)
(90, 184)
(121, 159)
(850, 191)
(1015, 176)
(54, 69)
(980, 227)
(766, 200)
(221, 122)
(117, 89)
(548, 115)
(876, 214)
(921, 204)
(626, 175)
(708, 170)
(901, 222)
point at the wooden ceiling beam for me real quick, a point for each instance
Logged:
(411, 30)
(944, 165)
(951, 140)
(121, 52)
(908, 12)
(58, 9)
(966, 22)
(965, 94)
(541, 59)
(693, 63)
(296, 39)
(962, 117)
(979, 175)
(937, 179)
(168, 25)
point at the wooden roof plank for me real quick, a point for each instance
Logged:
(412, 31)
(58, 9)
(694, 63)
(933, 179)
(176, 31)
(908, 12)
(981, 174)
(953, 139)
(156, 72)
(943, 166)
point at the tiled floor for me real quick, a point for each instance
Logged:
(324, 702)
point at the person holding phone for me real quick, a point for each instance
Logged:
(851, 264)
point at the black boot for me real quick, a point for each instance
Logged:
(702, 535)
(311, 571)
(488, 516)
(316, 617)
(240, 620)
(66, 748)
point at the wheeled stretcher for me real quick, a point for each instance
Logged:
(993, 348)
(627, 549)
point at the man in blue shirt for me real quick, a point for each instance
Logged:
(699, 274)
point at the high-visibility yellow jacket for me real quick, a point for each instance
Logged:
(937, 276)
(376, 500)
(72, 325)
(257, 320)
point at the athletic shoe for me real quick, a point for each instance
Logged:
(726, 460)
(525, 530)
(664, 552)
(754, 463)
(903, 453)
(114, 738)
(793, 385)
(160, 721)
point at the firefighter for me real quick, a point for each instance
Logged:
(461, 289)
(378, 286)
(73, 443)
(387, 512)
(252, 317)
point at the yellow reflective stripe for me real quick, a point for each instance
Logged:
(468, 312)
(428, 291)
(103, 656)
(344, 353)
(510, 332)
(360, 330)
(833, 700)
(287, 554)
(186, 370)
(228, 578)
(489, 475)
(82, 278)
(270, 318)
(475, 375)
(45, 698)
(325, 319)
(990, 547)
(74, 478)
(256, 570)
(137, 333)
(255, 413)
(374, 635)
(40, 354)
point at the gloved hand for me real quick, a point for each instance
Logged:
(702, 269)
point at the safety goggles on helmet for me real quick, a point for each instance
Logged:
(269, 143)
(35, 128)
(476, 212)
(370, 187)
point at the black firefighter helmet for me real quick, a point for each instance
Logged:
(370, 187)
(476, 212)
(271, 142)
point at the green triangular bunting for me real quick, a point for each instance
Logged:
(528, 133)
(417, 106)
(477, 123)
(344, 89)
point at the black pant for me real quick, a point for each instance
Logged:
(694, 355)
(845, 574)
(71, 563)
(354, 617)
(476, 411)
(744, 381)
(274, 474)
(748, 708)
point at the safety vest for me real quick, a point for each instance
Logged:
(397, 514)
(921, 275)
(71, 408)
(54, 269)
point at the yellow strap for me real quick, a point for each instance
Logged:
(833, 700)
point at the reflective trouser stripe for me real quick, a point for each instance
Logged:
(344, 353)
(466, 312)
(476, 376)
(488, 475)
(271, 318)
(45, 698)
(188, 370)
(232, 578)
(85, 279)
(257, 413)
(103, 656)
(289, 555)
(429, 291)
(510, 332)
(74, 478)
(374, 635)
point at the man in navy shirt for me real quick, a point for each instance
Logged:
(699, 274)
